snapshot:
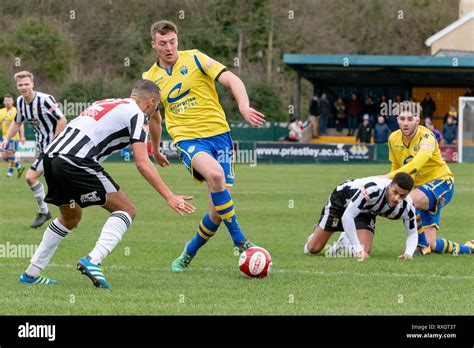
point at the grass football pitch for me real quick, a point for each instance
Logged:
(277, 206)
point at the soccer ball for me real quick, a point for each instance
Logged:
(255, 262)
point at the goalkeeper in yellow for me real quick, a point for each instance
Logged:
(197, 124)
(413, 149)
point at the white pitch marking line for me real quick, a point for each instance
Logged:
(320, 273)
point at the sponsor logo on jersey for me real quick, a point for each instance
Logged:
(183, 70)
(180, 95)
(427, 147)
(90, 197)
(408, 159)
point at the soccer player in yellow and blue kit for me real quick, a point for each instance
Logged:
(197, 124)
(413, 149)
(7, 115)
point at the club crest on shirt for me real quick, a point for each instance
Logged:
(183, 70)
(191, 149)
(335, 222)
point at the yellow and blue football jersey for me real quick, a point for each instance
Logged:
(7, 117)
(420, 158)
(189, 96)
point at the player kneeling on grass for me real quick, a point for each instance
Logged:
(352, 207)
(76, 179)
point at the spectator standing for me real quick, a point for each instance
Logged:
(450, 132)
(428, 105)
(381, 131)
(364, 133)
(314, 115)
(325, 110)
(354, 109)
(340, 107)
(371, 109)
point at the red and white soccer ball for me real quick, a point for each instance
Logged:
(255, 262)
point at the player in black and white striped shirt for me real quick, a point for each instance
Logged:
(76, 179)
(41, 110)
(353, 206)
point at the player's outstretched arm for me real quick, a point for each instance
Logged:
(412, 236)
(12, 130)
(232, 81)
(149, 172)
(155, 132)
(426, 148)
(348, 224)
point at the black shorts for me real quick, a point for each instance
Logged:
(37, 165)
(76, 181)
(330, 220)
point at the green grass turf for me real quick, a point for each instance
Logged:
(300, 284)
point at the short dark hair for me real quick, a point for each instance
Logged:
(409, 106)
(163, 27)
(404, 181)
(8, 96)
(143, 89)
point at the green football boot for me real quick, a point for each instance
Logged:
(181, 264)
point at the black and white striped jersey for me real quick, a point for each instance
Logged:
(105, 127)
(43, 114)
(368, 195)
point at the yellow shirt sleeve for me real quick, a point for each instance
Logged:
(427, 146)
(392, 158)
(207, 65)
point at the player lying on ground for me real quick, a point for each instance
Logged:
(415, 150)
(76, 179)
(47, 120)
(7, 116)
(197, 124)
(352, 207)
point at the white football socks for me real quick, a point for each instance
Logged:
(52, 237)
(38, 192)
(111, 234)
